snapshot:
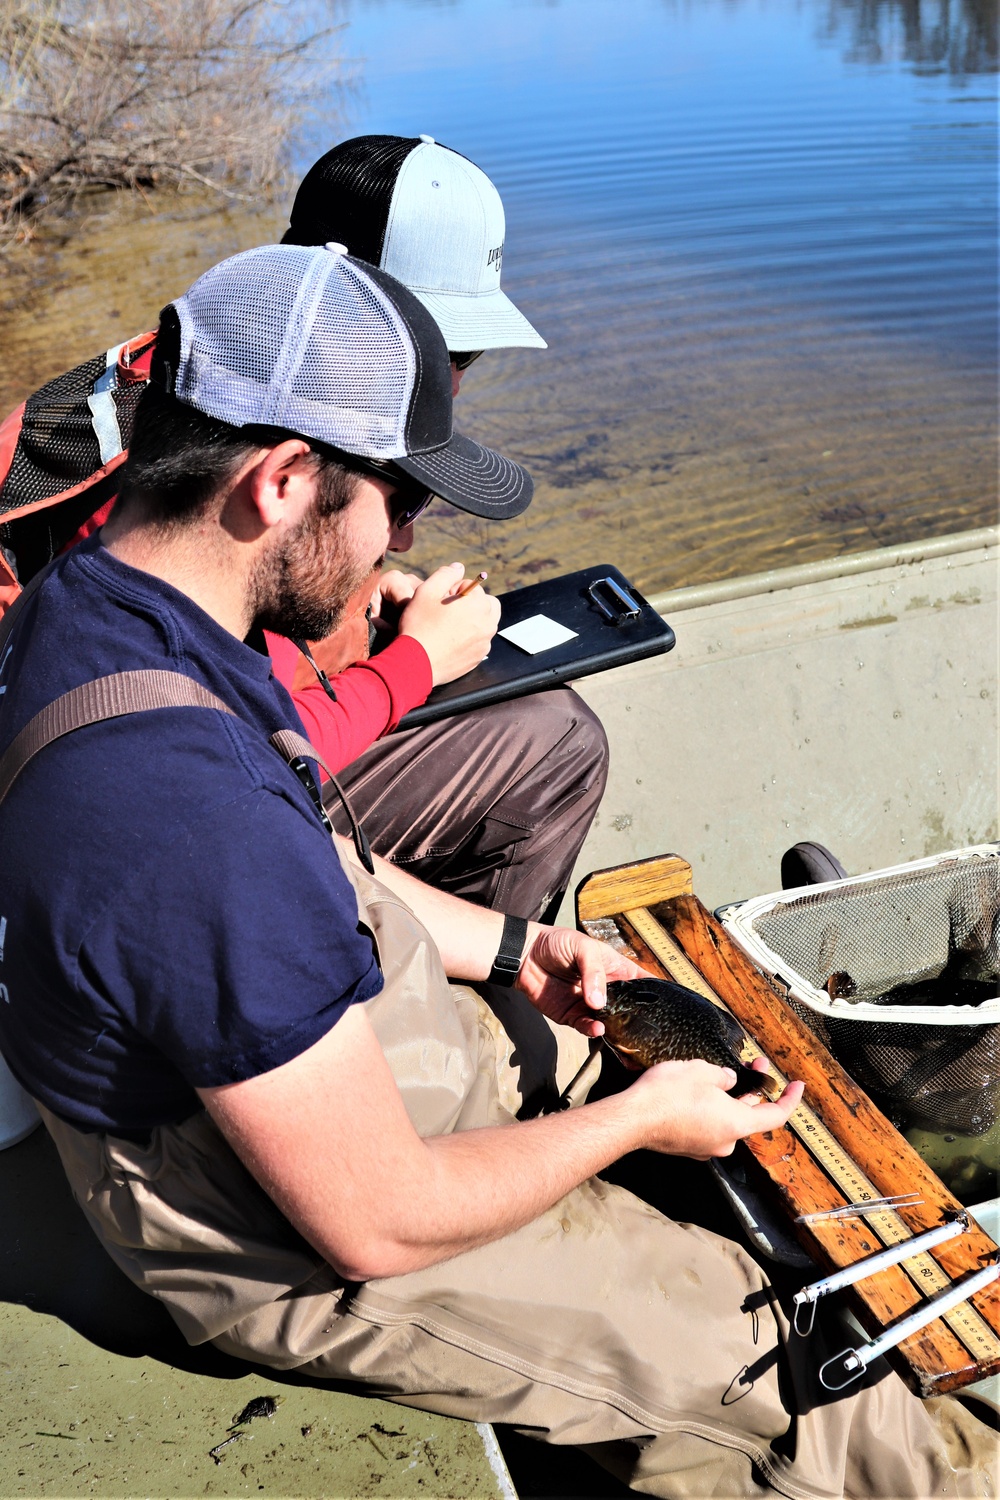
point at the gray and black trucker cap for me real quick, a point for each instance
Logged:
(316, 342)
(428, 216)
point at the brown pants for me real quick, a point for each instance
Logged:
(492, 805)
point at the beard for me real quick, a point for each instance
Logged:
(302, 587)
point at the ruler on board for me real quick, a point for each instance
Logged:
(923, 1270)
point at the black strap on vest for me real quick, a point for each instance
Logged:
(324, 681)
(124, 693)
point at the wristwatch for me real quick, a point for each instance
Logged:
(507, 964)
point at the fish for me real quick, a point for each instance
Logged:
(648, 1021)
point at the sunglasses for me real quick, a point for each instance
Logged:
(463, 361)
(408, 504)
(407, 501)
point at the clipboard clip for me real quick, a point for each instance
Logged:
(614, 602)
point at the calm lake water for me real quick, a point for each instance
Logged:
(759, 236)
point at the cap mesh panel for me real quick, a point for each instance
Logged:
(346, 195)
(299, 338)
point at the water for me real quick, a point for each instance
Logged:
(757, 234)
(968, 1165)
(759, 238)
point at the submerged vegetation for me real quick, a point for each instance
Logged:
(145, 94)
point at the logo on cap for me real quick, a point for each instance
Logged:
(495, 257)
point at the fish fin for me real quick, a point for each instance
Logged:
(624, 1054)
(749, 1081)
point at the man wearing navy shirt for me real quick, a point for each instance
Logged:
(278, 1117)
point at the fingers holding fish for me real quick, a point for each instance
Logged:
(648, 1021)
(691, 1113)
(692, 1052)
(566, 974)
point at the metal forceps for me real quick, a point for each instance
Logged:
(862, 1207)
(810, 1295)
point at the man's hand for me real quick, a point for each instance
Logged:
(689, 1112)
(455, 633)
(394, 592)
(565, 975)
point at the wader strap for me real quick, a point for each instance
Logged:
(124, 693)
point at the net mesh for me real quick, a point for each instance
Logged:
(926, 938)
(57, 447)
(328, 357)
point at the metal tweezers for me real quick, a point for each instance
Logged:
(864, 1206)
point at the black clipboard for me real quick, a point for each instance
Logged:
(614, 625)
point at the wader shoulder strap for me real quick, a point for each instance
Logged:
(124, 693)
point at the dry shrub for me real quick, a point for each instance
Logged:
(146, 93)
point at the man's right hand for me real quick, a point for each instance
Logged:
(455, 633)
(689, 1113)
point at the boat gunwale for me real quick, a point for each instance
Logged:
(774, 580)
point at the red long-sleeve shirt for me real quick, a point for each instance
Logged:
(372, 696)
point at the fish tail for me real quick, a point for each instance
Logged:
(749, 1081)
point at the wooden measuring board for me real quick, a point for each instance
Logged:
(837, 1148)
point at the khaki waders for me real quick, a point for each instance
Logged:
(658, 1346)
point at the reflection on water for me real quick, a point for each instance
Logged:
(759, 238)
(958, 35)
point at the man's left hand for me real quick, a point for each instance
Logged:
(565, 975)
(394, 592)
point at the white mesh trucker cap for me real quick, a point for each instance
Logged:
(426, 215)
(315, 342)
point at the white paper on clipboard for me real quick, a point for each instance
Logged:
(537, 633)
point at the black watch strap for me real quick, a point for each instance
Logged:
(507, 963)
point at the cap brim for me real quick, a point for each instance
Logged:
(474, 478)
(487, 321)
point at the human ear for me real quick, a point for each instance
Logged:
(282, 482)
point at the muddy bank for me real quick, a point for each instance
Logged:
(683, 460)
(90, 282)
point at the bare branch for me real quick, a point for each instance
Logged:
(151, 93)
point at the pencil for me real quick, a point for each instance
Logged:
(472, 583)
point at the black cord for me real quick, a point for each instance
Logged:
(303, 771)
(325, 682)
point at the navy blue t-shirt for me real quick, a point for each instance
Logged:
(172, 911)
